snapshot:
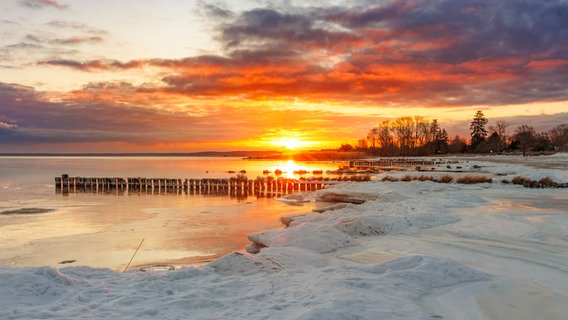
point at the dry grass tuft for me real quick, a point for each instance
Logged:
(547, 182)
(474, 179)
(446, 179)
(361, 178)
(527, 182)
(389, 179)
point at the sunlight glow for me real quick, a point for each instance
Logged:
(289, 169)
(289, 143)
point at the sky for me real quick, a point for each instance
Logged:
(182, 76)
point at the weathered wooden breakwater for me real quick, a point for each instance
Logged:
(234, 185)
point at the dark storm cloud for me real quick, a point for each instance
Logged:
(419, 53)
(30, 118)
(479, 29)
(271, 29)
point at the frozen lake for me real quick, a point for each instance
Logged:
(103, 230)
(412, 250)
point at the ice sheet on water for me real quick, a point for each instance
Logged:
(295, 198)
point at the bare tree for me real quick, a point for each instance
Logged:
(404, 128)
(385, 134)
(525, 136)
(373, 137)
(559, 135)
(500, 129)
(419, 131)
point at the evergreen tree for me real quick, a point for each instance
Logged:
(441, 141)
(433, 130)
(478, 131)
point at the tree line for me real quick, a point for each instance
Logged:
(416, 136)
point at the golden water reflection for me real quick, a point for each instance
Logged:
(103, 230)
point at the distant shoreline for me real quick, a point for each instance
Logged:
(151, 154)
(312, 155)
(321, 155)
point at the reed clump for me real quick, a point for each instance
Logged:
(474, 179)
(522, 181)
(361, 178)
(442, 179)
(425, 178)
(545, 182)
(446, 179)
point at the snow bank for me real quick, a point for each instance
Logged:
(296, 273)
(313, 236)
(535, 167)
(379, 213)
(300, 272)
(271, 285)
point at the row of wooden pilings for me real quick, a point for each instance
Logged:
(66, 184)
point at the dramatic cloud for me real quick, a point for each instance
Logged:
(95, 115)
(336, 69)
(38, 4)
(398, 53)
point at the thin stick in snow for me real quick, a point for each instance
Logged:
(135, 252)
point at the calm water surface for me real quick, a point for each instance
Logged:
(103, 230)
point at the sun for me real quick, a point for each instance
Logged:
(288, 143)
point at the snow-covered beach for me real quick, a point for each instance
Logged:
(412, 250)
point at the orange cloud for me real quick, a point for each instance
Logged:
(341, 66)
